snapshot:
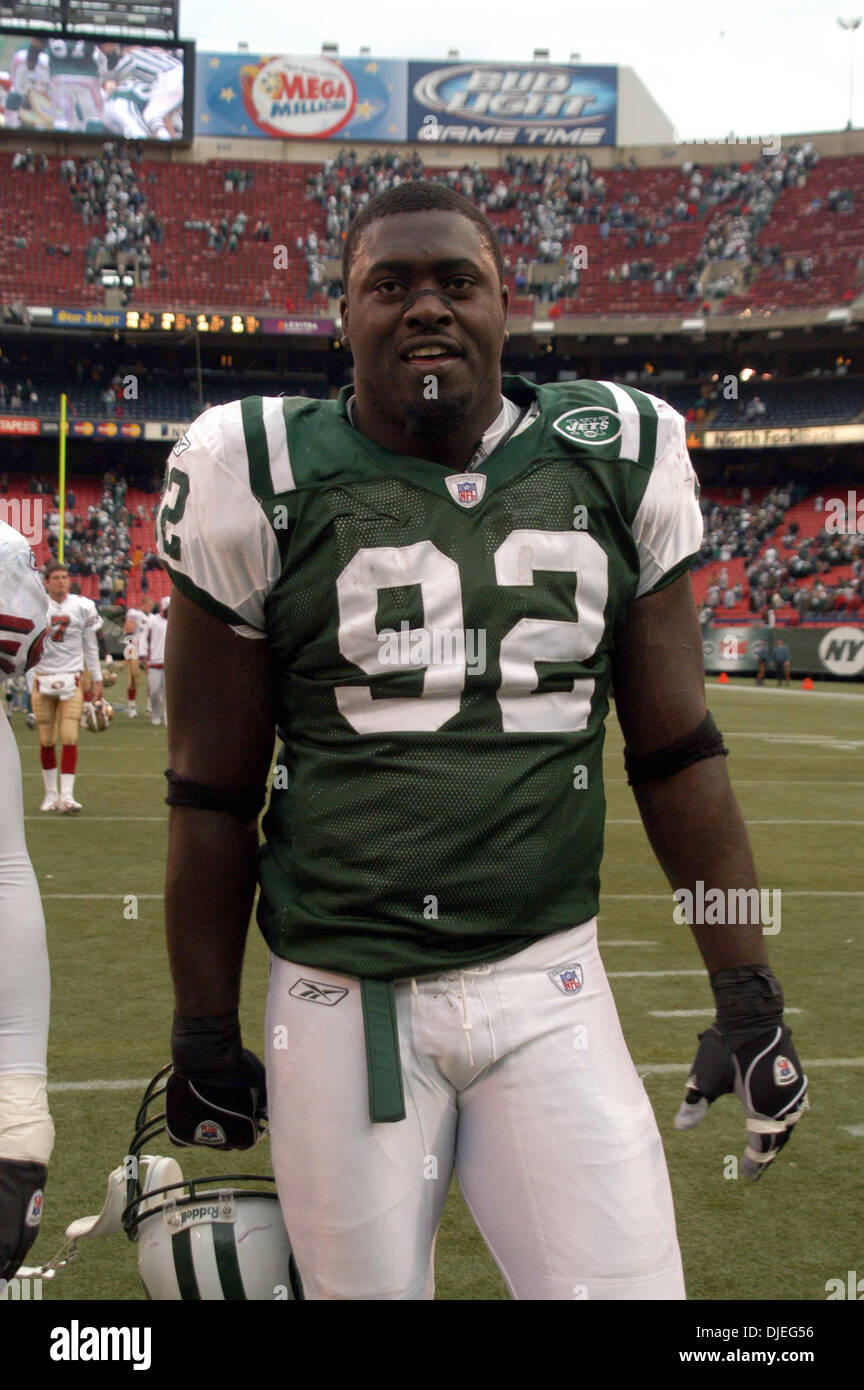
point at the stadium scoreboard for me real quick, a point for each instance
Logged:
(177, 321)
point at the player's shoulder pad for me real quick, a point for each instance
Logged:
(613, 421)
(247, 438)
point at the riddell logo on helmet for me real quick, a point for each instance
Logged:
(208, 1132)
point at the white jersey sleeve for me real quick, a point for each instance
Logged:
(23, 602)
(213, 535)
(667, 527)
(91, 624)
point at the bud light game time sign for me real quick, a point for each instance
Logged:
(513, 104)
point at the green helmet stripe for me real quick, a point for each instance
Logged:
(184, 1266)
(258, 453)
(227, 1263)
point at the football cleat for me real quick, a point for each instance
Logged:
(133, 713)
(69, 806)
(51, 802)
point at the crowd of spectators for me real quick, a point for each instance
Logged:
(555, 196)
(799, 576)
(737, 529)
(104, 541)
(110, 194)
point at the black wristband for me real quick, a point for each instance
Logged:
(208, 1049)
(748, 997)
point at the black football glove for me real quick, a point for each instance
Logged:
(749, 1050)
(217, 1093)
(21, 1186)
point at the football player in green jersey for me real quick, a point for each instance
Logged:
(428, 587)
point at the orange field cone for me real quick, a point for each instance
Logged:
(722, 679)
(806, 684)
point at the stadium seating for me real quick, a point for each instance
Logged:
(186, 273)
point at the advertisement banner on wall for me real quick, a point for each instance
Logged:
(813, 651)
(281, 97)
(540, 104)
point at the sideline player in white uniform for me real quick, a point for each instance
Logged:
(28, 103)
(26, 1128)
(57, 695)
(157, 625)
(134, 647)
(429, 588)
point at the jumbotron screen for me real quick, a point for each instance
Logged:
(95, 86)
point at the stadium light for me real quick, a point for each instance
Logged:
(541, 55)
(851, 25)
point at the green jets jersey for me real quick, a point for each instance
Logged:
(441, 642)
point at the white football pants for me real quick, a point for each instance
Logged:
(519, 1078)
(26, 1128)
(156, 688)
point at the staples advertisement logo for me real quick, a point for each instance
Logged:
(298, 97)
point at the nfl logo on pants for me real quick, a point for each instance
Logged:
(568, 978)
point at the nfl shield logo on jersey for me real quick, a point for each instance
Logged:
(466, 488)
(784, 1072)
(568, 978)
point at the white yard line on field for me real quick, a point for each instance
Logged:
(670, 1068)
(643, 1068)
(102, 897)
(755, 821)
(775, 690)
(787, 893)
(695, 1013)
(651, 974)
(739, 781)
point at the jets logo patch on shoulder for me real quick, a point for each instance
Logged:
(589, 424)
(466, 488)
(183, 443)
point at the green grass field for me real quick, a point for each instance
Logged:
(796, 762)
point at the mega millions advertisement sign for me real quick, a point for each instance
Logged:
(287, 98)
(324, 98)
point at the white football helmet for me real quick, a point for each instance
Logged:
(97, 715)
(204, 1239)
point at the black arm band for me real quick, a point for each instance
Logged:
(706, 741)
(245, 802)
